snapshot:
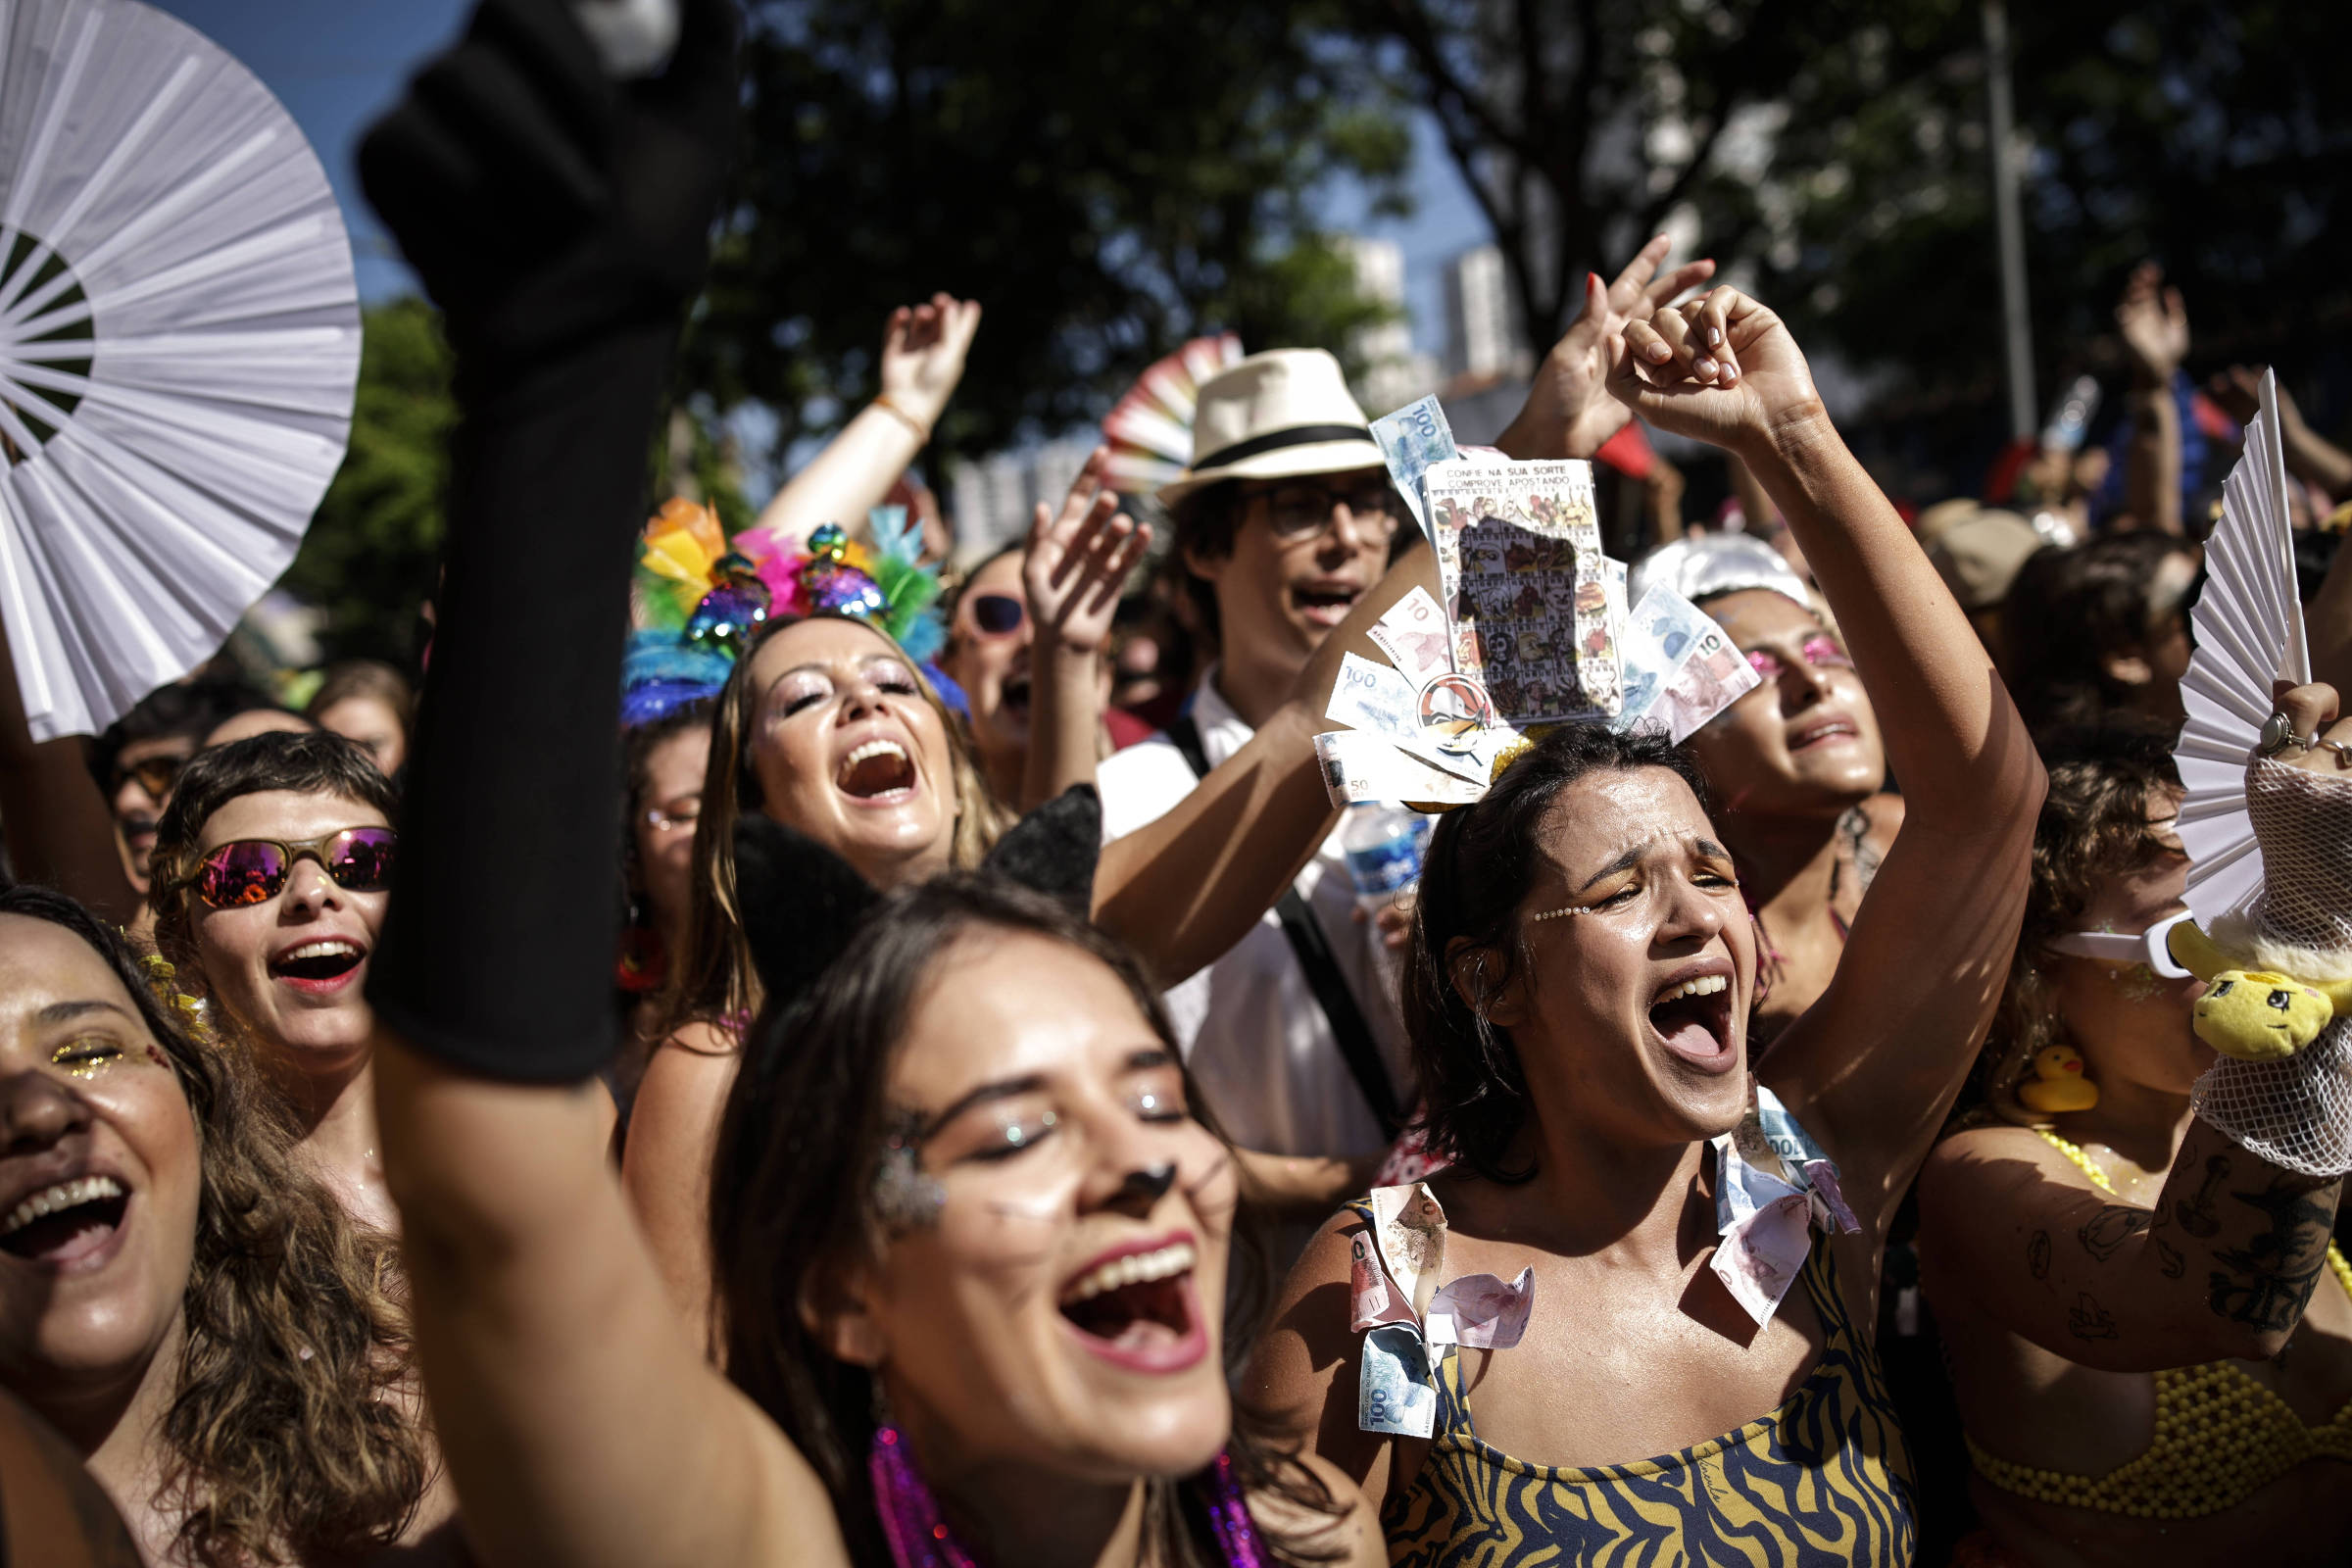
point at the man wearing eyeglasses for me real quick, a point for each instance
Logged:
(139, 757)
(1283, 519)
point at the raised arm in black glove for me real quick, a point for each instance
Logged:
(562, 221)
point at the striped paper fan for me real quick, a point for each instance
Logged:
(1151, 429)
(2249, 631)
(179, 340)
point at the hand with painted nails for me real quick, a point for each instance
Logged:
(1722, 369)
(1078, 560)
(1568, 413)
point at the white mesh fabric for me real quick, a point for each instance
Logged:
(2296, 1113)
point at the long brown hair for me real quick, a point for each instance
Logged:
(2093, 825)
(714, 979)
(291, 1432)
(799, 1145)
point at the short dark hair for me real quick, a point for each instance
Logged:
(1202, 523)
(792, 1180)
(312, 762)
(184, 710)
(2068, 609)
(1483, 858)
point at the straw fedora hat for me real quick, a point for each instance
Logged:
(1275, 416)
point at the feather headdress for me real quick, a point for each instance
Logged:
(699, 597)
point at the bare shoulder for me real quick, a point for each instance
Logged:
(1349, 1536)
(690, 1074)
(1990, 1164)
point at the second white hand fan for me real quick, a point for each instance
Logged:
(179, 341)
(2249, 632)
(1150, 430)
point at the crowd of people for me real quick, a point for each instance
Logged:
(764, 1059)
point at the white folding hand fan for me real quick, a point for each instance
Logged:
(2249, 632)
(179, 339)
(1150, 430)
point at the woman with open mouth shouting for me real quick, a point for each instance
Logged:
(191, 1310)
(965, 1184)
(1578, 1003)
(272, 864)
(1796, 767)
(826, 726)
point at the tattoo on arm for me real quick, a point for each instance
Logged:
(2174, 1264)
(2110, 1228)
(2089, 1321)
(2037, 1254)
(2267, 1283)
(2195, 1214)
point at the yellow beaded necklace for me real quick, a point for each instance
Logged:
(2219, 1436)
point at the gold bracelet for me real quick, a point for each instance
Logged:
(922, 432)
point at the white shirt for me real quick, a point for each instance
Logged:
(1252, 1030)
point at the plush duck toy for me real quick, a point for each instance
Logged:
(2254, 1014)
(2058, 1084)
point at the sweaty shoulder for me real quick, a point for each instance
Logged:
(1141, 784)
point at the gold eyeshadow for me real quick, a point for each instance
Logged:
(79, 1057)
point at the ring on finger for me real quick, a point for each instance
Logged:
(2278, 733)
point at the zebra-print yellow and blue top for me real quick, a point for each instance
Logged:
(1823, 1480)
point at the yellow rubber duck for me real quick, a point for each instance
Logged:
(2058, 1084)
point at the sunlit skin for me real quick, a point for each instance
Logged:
(1631, 848)
(826, 688)
(1787, 762)
(136, 811)
(85, 1090)
(371, 724)
(2027, 1399)
(672, 786)
(993, 669)
(311, 1029)
(1034, 1118)
(316, 1027)
(1278, 599)
(1805, 742)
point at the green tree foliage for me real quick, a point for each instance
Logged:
(369, 558)
(1108, 180)
(1838, 148)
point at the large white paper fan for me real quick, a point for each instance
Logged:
(2249, 632)
(179, 341)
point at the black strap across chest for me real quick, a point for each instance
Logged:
(1312, 948)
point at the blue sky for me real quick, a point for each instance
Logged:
(344, 61)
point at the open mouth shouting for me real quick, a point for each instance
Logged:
(1135, 1306)
(1692, 1017)
(1325, 601)
(1012, 693)
(876, 772)
(67, 1224)
(320, 967)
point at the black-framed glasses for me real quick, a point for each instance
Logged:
(1300, 510)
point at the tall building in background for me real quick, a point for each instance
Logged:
(992, 499)
(1393, 374)
(1482, 322)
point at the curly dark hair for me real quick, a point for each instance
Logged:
(2069, 610)
(2093, 825)
(1483, 861)
(292, 1433)
(799, 1142)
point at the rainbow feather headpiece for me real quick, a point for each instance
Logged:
(699, 597)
